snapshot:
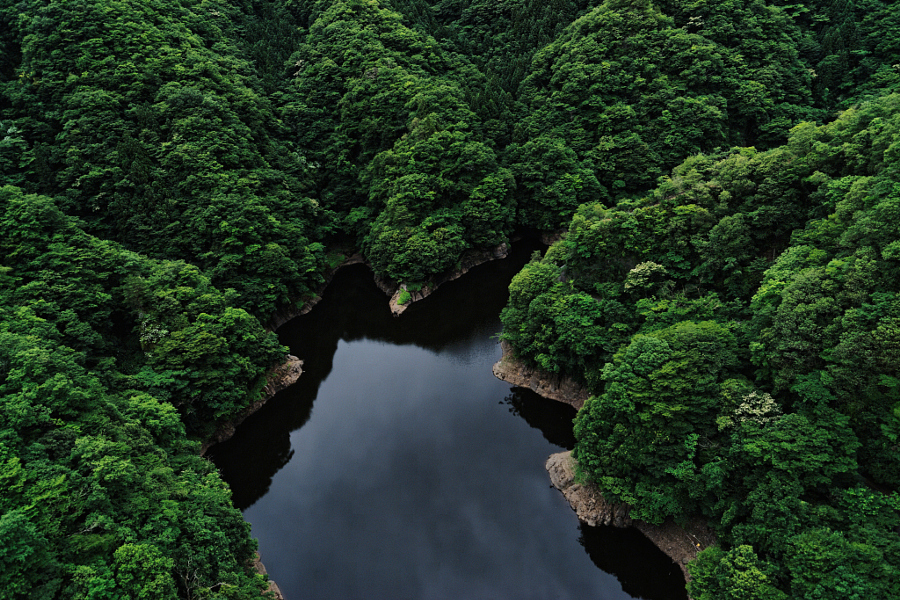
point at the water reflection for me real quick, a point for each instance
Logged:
(552, 419)
(399, 467)
(617, 551)
(353, 308)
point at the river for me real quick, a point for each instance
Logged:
(398, 467)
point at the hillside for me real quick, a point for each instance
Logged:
(172, 174)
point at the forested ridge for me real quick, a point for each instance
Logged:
(727, 174)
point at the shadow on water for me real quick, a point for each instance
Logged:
(552, 419)
(406, 479)
(644, 571)
(354, 308)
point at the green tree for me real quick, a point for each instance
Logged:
(656, 419)
(737, 574)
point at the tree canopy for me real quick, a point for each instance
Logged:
(735, 326)
(173, 174)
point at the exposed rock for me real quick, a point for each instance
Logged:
(277, 379)
(548, 385)
(586, 501)
(260, 568)
(681, 544)
(305, 304)
(469, 260)
(550, 237)
(282, 376)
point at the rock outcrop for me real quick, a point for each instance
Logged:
(585, 500)
(681, 544)
(260, 568)
(469, 260)
(550, 237)
(277, 379)
(548, 385)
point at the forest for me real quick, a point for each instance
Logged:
(723, 179)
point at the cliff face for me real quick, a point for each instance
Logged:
(548, 385)
(277, 379)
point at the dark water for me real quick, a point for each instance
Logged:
(399, 467)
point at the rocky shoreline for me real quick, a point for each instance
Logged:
(470, 259)
(277, 378)
(295, 310)
(681, 544)
(588, 504)
(260, 568)
(548, 385)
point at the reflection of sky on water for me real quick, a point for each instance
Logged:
(399, 467)
(419, 482)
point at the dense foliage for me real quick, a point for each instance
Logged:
(107, 359)
(173, 173)
(737, 327)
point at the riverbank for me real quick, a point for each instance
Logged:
(681, 544)
(548, 385)
(305, 304)
(273, 588)
(470, 259)
(277, 379)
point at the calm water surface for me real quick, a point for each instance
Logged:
(399, 467)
